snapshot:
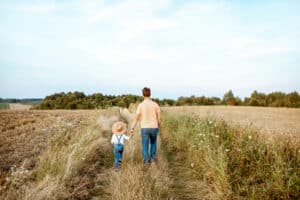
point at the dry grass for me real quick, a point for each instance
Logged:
(271, 120)
(25, 134)
(28, 135)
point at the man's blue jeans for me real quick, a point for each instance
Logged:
(149, 135)
(118, 153)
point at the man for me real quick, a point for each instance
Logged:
(149, 113)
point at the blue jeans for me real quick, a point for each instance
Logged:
(149, 135)
(118, 153)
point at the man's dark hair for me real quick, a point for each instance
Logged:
(146, 92)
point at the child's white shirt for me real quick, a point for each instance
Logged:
(114, 139)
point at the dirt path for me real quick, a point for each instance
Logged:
(133, 180)
(171, 178)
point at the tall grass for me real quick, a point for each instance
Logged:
(233, 162)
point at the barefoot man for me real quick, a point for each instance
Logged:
(149, 113)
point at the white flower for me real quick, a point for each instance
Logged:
(227, 150)
(192, 165)
(249, 137)
(217, 136)
(210, 122)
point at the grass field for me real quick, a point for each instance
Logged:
(4, 106)
(203, 153)
(266, 119)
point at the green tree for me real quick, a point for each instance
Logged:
(229, 98)
(294, 99)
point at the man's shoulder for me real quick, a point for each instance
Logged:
(141, 104)
(155, 103)
(148, 103)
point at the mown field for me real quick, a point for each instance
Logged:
(203, 153)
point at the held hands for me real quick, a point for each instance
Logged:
(131, 131)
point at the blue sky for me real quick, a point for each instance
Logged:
(177, 47)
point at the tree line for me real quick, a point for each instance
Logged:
(78, 100)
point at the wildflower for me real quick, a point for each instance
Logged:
(227, 150)
(217, 136)
(210, 122)
(249, 137)
(192, 165)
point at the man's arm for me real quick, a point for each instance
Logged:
(136, 120)
(158, 116)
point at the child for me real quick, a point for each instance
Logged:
(118, 137)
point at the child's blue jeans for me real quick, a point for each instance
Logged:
(149, 135)
(118, 153)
